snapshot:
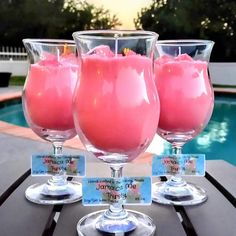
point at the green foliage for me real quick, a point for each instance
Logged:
(17, 80)
(49, 19)
(198, 19)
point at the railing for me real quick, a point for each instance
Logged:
(12, 53)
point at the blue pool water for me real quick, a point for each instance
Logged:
(217, 141)
(11, 111)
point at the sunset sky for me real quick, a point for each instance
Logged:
(125, 10)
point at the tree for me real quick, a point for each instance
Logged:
(199, 19)
(49, 19)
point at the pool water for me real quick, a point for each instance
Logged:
(217, 141)
(11, 112)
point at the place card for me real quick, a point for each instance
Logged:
(179, 164)
(125, 190)
(70, 165)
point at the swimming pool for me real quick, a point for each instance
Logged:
(11, 112)
(217, 141)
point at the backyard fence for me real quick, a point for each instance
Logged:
(12, 53)
(13, 60)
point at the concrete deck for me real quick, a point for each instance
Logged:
(10, 92)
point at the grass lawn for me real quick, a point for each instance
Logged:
(223, 86)
(17, 80)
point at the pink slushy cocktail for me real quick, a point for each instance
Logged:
(186, 95)
(115, 104)
(48, 92)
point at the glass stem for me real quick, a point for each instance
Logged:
(116, 210)
(176, 149)
(58, 179)
(176, 180)
(116, 171)
(57, 148)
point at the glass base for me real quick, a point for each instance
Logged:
(38, 193)
(96, 224)
(188, 194)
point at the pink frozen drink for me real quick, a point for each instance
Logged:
(116, 105)
(48, 93)
(186, 96)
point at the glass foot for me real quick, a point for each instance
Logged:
(39, 194)
(96, 223)
(186, 195)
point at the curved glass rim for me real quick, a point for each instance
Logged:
(49, 42)
(123, 34)
(184, 42)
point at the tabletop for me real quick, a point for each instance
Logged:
(18, 216)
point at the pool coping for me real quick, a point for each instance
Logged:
(224, 90)
(75, 142)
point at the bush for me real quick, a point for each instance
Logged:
(17, 80)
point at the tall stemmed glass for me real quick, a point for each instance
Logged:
(116, 112)
(187, 100)
(47, 105)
